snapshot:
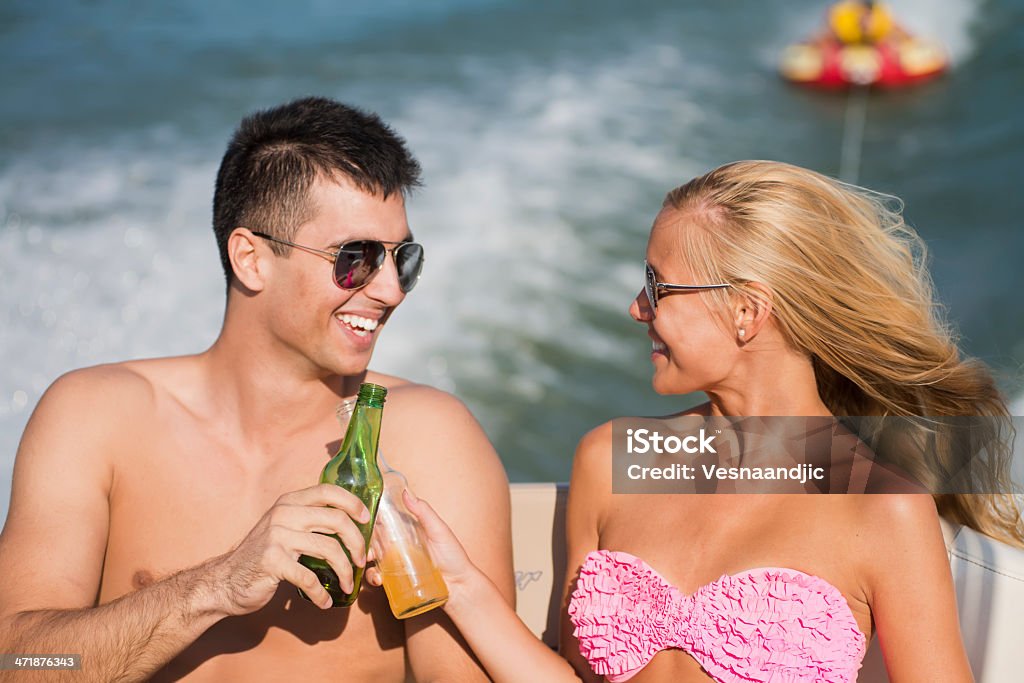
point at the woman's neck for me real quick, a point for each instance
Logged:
(781, 383)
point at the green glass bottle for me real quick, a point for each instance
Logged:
(354, 469)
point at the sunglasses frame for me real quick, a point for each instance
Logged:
(652, 286)
(333, 257)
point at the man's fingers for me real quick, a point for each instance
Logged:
(353, 542)
(325, 520)
(328, 494)
(327, 549)
(308, 583)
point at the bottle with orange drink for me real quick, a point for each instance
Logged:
(411, 581)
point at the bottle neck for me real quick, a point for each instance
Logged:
(372, 395)
(363, 428)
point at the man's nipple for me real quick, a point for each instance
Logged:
(142, 578)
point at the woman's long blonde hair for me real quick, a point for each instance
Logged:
(852, 291)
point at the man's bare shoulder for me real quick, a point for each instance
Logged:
(106, 401)
(98, 390)
(127, 384)
(97, 413)
(424, 405)
(423, 419)
(392, 382)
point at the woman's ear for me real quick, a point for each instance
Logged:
(751, 310)
(249, 265)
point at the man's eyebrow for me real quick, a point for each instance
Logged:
(336, 245)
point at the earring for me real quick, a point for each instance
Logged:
(743, 333)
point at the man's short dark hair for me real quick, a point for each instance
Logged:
(277, 154)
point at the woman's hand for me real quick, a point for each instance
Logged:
(449, 556)
(502, 643)
(447, 552)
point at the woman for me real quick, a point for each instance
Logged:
(775, 291)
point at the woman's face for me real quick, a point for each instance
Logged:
(692, 348)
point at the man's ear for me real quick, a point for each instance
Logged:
(751, 310)
(248, 259)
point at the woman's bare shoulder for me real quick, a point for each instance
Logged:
(595, 447)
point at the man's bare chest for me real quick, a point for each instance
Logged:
(177, 505)
(183, 499)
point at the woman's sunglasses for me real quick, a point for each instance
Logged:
(357, 262)
(652, 287)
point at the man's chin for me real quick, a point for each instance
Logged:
(348, 369)
(348, 365)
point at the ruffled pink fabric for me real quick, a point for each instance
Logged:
(770, 625)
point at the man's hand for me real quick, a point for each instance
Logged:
(294, 526)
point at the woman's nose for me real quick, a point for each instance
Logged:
(641, 309)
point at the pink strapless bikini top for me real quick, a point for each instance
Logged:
(766, 624)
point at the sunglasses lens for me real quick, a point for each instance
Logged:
(357, 262)
(650, 286)
(409, 261)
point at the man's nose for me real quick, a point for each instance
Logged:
(384, 286)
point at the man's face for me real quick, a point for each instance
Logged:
(331, 329)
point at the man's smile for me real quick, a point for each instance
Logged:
(360, 326)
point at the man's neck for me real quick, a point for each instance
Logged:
(260, 387)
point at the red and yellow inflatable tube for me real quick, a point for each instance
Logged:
(892, 64)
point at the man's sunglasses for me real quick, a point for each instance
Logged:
(653, 287)
(357, 262)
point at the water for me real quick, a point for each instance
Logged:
(549, 133)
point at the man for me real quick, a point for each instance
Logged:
(159, 507)
(858, 22)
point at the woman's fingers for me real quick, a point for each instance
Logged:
(373, 576)
(446, 550)
(437, 530)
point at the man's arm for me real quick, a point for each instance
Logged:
(54, 540)
(448, 460)
(124, 640)
(53, 545)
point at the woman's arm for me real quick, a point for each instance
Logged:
(910, 590)
(589, 495)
